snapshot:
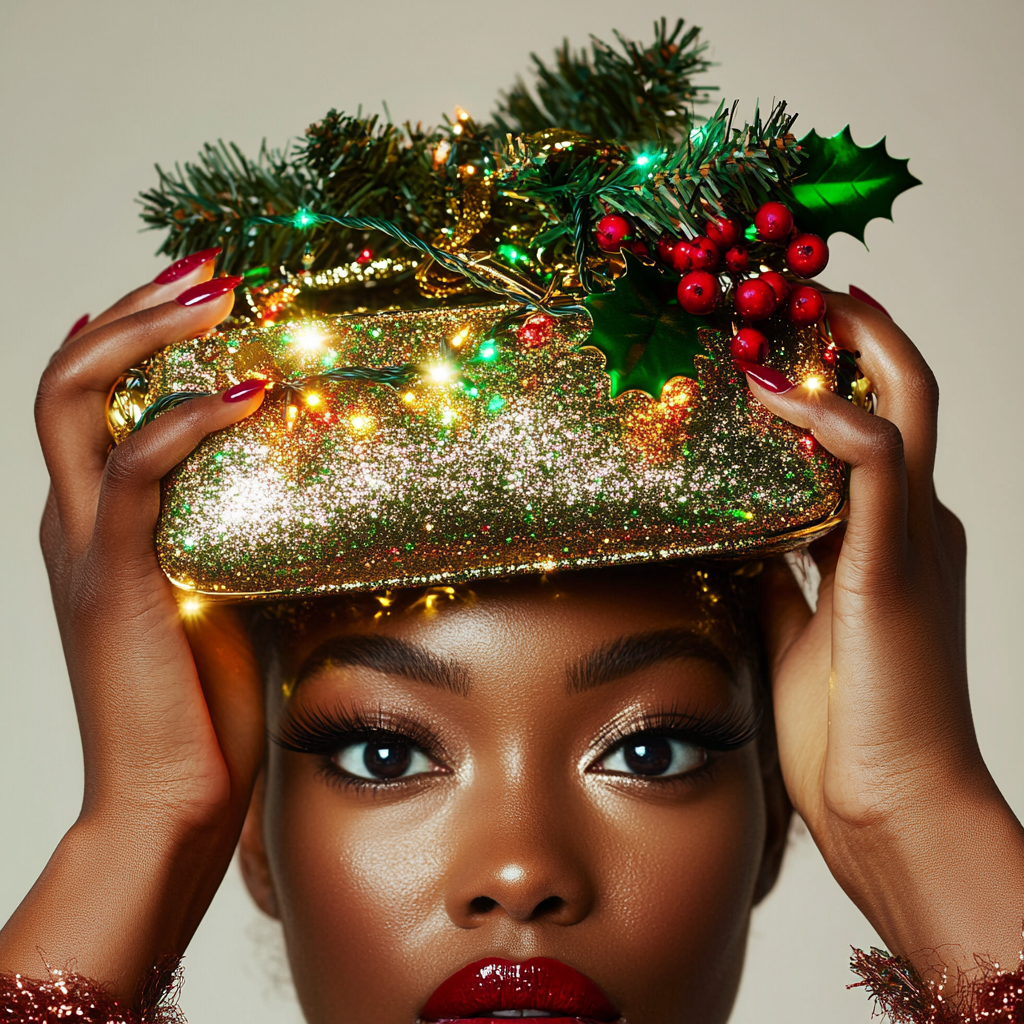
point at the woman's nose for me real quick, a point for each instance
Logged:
(531, 875)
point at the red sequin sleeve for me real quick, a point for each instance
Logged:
(64, 995)
(988, 995)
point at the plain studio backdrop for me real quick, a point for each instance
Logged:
(95, 93)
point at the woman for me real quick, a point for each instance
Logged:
(554, 796)
(568, 770)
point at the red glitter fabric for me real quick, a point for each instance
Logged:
(66, 996)
(988, 996)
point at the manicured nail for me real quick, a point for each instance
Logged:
(186, 265)
(771, 380)
(206, 291)
(859, 293)
(248, 388)
(78, 325)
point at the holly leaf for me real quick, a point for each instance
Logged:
(841, 186)
(646, 338)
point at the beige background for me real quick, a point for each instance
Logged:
(95, 93)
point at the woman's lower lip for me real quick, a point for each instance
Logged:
(491, 989)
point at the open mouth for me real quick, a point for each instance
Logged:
(538, 989)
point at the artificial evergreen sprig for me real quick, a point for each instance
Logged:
(353, 166)
(642, 93)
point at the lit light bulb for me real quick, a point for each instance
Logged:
(812, 383)
(191, 606)
(440, 373)
(461, 114)
(312, 400)
(308, 338)
(360, 422)
(460, 338)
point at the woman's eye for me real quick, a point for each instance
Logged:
(653, 756)
(383, 759)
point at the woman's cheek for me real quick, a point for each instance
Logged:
(359, 882)
(681, 892)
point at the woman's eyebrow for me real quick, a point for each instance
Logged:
(389, 656)
(630, 654)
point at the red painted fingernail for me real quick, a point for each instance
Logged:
(78, 325)
(771, 380)
(206, 291)
(247, 389)
(186, 265)
(859, 293)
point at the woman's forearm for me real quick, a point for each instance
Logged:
(116, 898)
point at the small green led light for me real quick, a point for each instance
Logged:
(303, 218)
(496, 404)
(488, 351)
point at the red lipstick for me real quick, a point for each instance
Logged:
(541, 989)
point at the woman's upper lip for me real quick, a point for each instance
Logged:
(538, 984)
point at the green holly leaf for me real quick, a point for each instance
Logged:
(841, 186)
(646, 338)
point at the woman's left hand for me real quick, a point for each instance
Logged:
(876, 741)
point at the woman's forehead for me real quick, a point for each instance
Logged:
(566, 615)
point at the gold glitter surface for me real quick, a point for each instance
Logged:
(496, 456)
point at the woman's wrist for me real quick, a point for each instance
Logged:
(942, 879)
(119, 895)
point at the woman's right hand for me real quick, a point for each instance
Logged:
(171, 740)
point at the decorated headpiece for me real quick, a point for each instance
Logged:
(510, 347)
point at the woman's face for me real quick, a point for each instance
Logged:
(560, 770)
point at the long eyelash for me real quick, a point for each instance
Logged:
(717, 729)
(324, 731)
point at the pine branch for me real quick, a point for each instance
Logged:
(640, 93)
(209, 203)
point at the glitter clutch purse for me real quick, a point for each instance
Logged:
(428, 447)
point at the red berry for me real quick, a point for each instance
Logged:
(749, 346)
(705, 253)
(698, 292)
(778, 283)
(806, 305)
(807, 255)
(664, 247)
(774, 222)
(723, 232)
(829, 356)
(536, 331)
(612, 232)
(754, 299)
(639, 248)
(681, 256)
(737, 259)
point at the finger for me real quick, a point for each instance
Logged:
(905, 387)
(71, 402)
(168, 284)
(129, 501)
(876, 533)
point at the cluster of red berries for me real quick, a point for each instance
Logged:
(720, 250)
